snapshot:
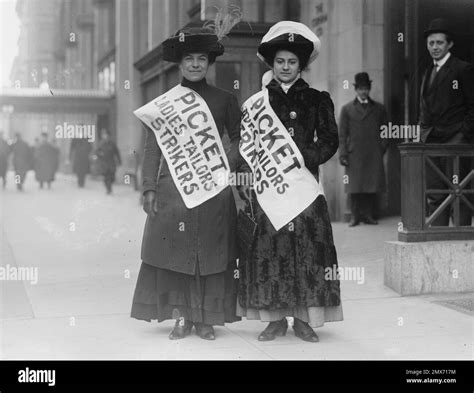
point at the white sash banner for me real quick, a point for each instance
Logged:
(283, 184)
(190, 142)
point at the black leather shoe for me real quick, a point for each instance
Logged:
(304, 331)
(206, 332)
(276, 328)
(354, 222)
(370, 221)
(179, 331)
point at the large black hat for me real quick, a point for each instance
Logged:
(292, 36)
(437, 26)
(362, 79)
(192, 40)
(300, 46)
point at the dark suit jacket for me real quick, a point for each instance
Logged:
(447, 112)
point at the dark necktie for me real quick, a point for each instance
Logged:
(433, 74)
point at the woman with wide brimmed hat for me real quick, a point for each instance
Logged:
(189, 253)
(289, 269)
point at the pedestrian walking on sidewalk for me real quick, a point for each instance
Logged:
(46, 161)
(284, 272)
(108, 156)
(5, 151)
(361, 151)
(79, 152)
(189, 254)
(22, 160)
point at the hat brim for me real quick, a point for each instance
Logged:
(175, 47)
(299, 45)
(427, 33)
(366, 84)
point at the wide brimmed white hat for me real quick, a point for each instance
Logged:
(289, 35)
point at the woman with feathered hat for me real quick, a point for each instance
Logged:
(289, 270)
(188, 253)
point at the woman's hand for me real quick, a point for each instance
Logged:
(150, 203)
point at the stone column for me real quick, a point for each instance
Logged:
(351, 34)
(127, 89)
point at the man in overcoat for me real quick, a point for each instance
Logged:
(22, 160)
(446, 114)
(5, 150)
(109, 157)
(46, 161)
(361, 150)
(79, 152)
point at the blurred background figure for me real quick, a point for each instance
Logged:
(4, 153)
(46, 161)
(36, 144)
(108, 157)
(22, 160)
(79, 157)
(361, 150)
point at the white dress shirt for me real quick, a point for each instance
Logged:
(439, 63)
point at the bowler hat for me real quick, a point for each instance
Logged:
(437, 26)
(362, 79)
(192, 40)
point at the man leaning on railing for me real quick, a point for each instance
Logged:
(446, 114)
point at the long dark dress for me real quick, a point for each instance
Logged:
(188, 255)
(284, 274)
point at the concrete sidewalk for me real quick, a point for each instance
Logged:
(86, 247)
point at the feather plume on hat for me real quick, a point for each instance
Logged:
(205, 39)
(224, 21)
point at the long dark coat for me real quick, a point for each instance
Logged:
(46, 162)
(177, 237)
(360, 143)
(79, 155)
(22, 157)
(286, 268)
(5, 150)
(447, 114)
(108, 156)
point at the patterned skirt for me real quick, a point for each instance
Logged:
(288, 272)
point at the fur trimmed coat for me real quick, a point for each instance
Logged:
(288, 268)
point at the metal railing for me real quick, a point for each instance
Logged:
(420, 224)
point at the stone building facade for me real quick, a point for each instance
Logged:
(117, 51)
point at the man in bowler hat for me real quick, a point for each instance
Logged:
(361, 151)
(446, 114)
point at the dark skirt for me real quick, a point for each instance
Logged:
(163, 294)
(291, 268)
